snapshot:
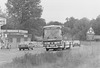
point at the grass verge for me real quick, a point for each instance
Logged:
(29, 60)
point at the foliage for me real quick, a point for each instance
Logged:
(77, 28)
(25, 14)
(70, 22)
(96, 25)
(54, 23)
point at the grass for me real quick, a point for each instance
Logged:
(47, 57)
(74, 58)
(34, 60)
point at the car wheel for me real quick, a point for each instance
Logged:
(19, 49)
(47, 49)
(69, 47)
(62, 48)
(32, 48)
(28, 49)
(54, 49)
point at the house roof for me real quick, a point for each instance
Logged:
(14, 31)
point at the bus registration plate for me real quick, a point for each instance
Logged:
(52, 46)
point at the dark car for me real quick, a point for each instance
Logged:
(25, 45)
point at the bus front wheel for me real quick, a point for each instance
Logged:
(47, 49)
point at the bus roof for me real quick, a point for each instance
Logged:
(52, 26)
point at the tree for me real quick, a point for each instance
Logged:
(81, 27)
(3, 15)
(65, 30)
(96, 25)
(70, 22)
(25, 14)
(23, 10)
(54, 23)
(77, 28)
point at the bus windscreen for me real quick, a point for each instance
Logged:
(53, 33)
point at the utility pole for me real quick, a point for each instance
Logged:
(2, 22)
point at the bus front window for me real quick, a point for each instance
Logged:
(52, 33)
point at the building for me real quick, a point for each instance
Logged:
(14, 37)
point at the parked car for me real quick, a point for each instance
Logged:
(33, 43)
(67, 44)
(25, 45)
(76, 43)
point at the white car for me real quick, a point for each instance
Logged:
(76, 43)
(33, 43)
(68, 44)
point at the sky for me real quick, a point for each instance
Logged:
(59, 10)
(2, 4)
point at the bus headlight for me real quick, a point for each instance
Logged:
(57, 42)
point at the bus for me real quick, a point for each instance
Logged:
(53, 38)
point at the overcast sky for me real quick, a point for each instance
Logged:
(2, 3)
(59, 10)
